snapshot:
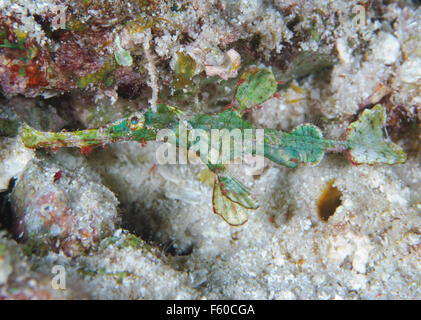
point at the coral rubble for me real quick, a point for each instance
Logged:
(124, 226)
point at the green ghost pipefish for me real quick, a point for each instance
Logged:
(365, 143)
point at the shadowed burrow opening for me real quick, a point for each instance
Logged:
(154, 227)
(329, 201)
(6, 213)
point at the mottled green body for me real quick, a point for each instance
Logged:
(304, 145)
(145, 129)
(228, 119)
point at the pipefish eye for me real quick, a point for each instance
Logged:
(136, 121)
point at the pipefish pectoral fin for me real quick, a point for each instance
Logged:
(233, 213)
(368, 142)
(231, 199)
(236, 191)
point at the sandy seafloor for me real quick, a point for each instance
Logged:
(127, 228)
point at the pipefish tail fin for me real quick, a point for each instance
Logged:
(368, 142)
(231, 199)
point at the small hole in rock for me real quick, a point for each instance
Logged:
(329, 201)
(6, 213)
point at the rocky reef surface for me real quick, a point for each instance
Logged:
(112, 223)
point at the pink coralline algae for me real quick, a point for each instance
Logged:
(46, 214)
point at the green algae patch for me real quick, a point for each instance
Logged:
(8, 128)
(185, 69)
(101, 76)
(128, 240)
(3, 249)
(256, 85)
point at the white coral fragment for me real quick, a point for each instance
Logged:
(228, 68)
(121, 55)
(344, 51)
(14, 157)
(386, 48)
(411, 70)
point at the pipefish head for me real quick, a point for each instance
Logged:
(143, 126)
(135, 121)
(128, 127)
